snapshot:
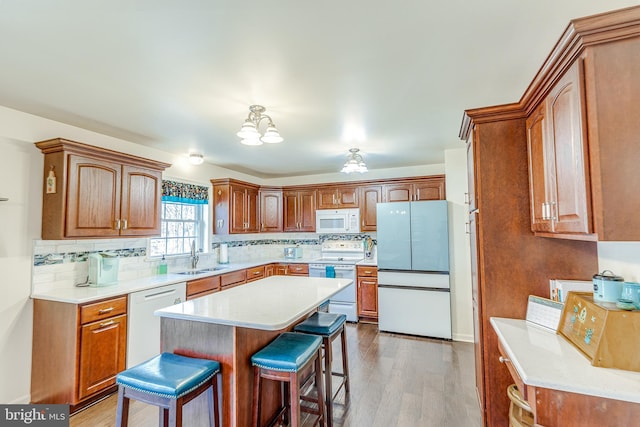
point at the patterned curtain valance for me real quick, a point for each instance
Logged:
(173, 191)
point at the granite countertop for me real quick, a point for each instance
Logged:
(272, 303)
(544, 359)
(81, 295)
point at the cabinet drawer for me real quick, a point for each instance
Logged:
(103, 309)
(298, 269)
(367, 271)
(527, 392)
(206, 284)
(234, 278)
(255, 273)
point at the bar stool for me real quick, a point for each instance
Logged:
(169, 381)
(284, 359)
(329, 326)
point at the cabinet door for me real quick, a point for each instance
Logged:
(269, 270)
(402, 192)
(367, 297)
(429, 189)
(221, 205)
(370, 196)
(141, 201)
(102, 354)
(237, 209)
(270, 211)
(569, 192)
(477, 315)
(471, 174)
(251, 213)
(93, 197)
(307, 211)
(290, 210)
(347, 197)
(539, 169)
(328, 198)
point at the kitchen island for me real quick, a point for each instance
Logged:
(231, 326)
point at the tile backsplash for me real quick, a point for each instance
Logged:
(63, 263)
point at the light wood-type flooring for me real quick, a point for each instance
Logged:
(396, 380)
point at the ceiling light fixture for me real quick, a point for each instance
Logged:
(249, 130)
(355, 162)
(196, 158)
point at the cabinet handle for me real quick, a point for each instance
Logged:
(105, 324)
(255, 273)
(467, 228)
(545, 215)
(118, 224)
(220, 223)
(467, 199)
(105, 310)
(368, 272)
(552, 211)
(504, 360)
(124, 224)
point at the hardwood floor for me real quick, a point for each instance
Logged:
(396, 380)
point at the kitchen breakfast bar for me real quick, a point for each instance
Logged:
(231, 326)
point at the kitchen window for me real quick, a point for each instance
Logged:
(183, 219)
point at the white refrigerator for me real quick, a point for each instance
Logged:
(413, 268)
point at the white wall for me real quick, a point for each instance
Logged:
(623, 258)
(455, 162)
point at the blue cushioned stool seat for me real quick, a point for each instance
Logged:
(169, 375)
(321, 323)
(287, 353)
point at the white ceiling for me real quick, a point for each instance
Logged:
(391, 78)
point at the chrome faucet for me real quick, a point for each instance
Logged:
(194, 257)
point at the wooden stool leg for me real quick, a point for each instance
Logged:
(322, 409)
(215, 397)
(286, 402)
(255, 421)
(345, 360)
(175, 414)
(122, 413)
(294, 399)
(328, 388)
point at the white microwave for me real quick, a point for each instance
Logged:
(338, 221)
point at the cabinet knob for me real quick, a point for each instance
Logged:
(503, 359)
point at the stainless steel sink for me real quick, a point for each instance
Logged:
(201, 271)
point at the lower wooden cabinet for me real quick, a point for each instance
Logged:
(201, 287)
(77, 350)
(235, 278)
(255, 273)
(293, 269)
(367, 292)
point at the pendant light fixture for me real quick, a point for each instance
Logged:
(355, 162)
(249, 130)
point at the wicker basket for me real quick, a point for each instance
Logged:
(519, 411)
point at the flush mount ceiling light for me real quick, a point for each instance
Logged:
(196, 158)
(249, 130)
(355, 162)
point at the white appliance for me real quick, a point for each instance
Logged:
(143, 336)
(339, 258)
(103, 269)
(413, 268)
(338, 221)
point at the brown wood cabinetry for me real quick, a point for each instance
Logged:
(299, 210)
(432, 188)
(293, 269)
(367, 292)
(99, 192)
(593, 68)
(232, 279)
(370, 196)
(338, 197)
(557, 159)
(77, 350)
(255, 273)
(235, 207)
(204, 286)
(269, 270)
(270, 210)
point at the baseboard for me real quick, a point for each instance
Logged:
(463, 337)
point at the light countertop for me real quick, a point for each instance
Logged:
(272, 303)
(544, 359)
(81, 295)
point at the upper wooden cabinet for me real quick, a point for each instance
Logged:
(98, 192)
(432, 188)
(338, 197)
(370, 196)
(299, 210)
(235, 206)
(558, 159)
(270, 210)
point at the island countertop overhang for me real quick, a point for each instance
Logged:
(270, 304)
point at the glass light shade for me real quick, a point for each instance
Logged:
(248, 131)
(251, 141)
(355, 163)
(271, 136)
(196, 159)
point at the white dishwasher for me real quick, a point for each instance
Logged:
(143, 336)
